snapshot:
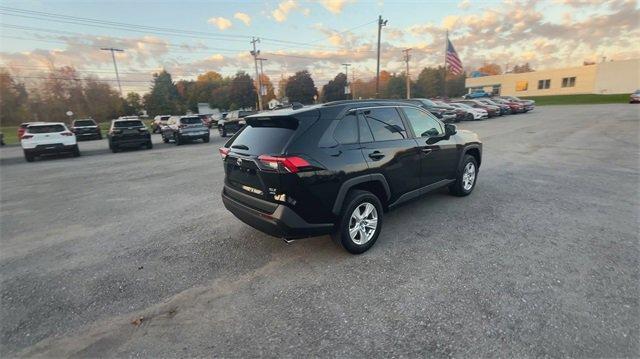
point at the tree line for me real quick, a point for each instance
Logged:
(64, 89)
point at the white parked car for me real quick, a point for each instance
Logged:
(478, 113)
(48, 138)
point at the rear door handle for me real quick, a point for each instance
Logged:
(426, 151)
(376, 155)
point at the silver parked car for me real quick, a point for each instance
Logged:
(180, 129)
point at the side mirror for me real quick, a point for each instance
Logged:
(450, 130)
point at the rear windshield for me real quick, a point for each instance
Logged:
(265, 136)
(131, 123)
(164, 118)
(191, 120)
(45, 129)
(84, 123)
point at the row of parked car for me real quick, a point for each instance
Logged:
(42, 138)
(226, 123)
(450, 111)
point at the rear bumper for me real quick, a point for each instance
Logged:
(50, 149)
(135, 141)
(282, 222)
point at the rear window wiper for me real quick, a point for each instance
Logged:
(240, 147)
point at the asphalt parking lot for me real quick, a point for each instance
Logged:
(541, 260)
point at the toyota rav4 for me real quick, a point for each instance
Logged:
(336, 168)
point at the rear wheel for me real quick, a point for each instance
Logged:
(76, 151)
(360, 222)
(28, 156)
(113, 147)
(149, 145)
(222, 131)
(205, 139)
(468, 117)
(164, 139)
(466, 180)
(176, 139)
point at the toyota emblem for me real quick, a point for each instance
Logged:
(239, 162)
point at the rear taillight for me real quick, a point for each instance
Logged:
(67, 133)
(223, 152)
(290, 164)
(26, 137)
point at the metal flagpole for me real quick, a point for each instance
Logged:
(444, 77)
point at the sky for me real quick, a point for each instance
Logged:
(189, 38)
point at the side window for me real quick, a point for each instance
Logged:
(365, 131)
(347, 130)
(423, 124)
(385, 124)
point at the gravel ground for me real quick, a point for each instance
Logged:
(541, 260)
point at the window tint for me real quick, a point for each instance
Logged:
(191, 120)
(423, 124)
(131, 123)
(84, 123)
(45, 129)
(347, 130)
(385, 124)
(266, 136)
(365, 131)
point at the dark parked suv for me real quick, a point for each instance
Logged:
(86, 128)
(335, 168)
(128, 133)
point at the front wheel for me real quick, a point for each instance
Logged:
(360, 222)
(466, 180)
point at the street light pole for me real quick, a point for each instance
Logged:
(255, 54)
(406, 59)
(261, 75)
(115, 66)
(381, 23)
(346, 73)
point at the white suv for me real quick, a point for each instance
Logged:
(46, 138)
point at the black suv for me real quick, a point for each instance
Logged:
(128, 133)
(334, 168)
(86, 129)
(232, 122)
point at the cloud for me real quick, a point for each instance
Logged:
(246, 19)
(464, 4)
(284, 8)
(221, 22)
(334, 6)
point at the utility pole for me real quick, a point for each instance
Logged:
(381, 23)
(406, 60)
(346, 73)
(261, 92)
(115, 66)
(353, 84)
(255, 54)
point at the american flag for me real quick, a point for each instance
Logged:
(452, 59)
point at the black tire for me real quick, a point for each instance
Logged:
(176, 139)
(355, 199)
(29, 157)
(149, 145)
(460, 186)
(205, 139)
(113, 147)
(164, 139)
(468, 117)
(100, 136)
(222, 131)
(76, 151)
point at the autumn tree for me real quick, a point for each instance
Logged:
(396, 86)
(132, 104)
(242, 93)
(522, 68)
(490, 69)
(334, 89)
(301, 88)
(13, 100)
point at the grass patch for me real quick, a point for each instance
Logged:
(579, 99)
(11, 132)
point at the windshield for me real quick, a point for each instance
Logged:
(131, 123)
(191, 121)
(45, 129)
(427, 102)
(463, 105)
(84, 123)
